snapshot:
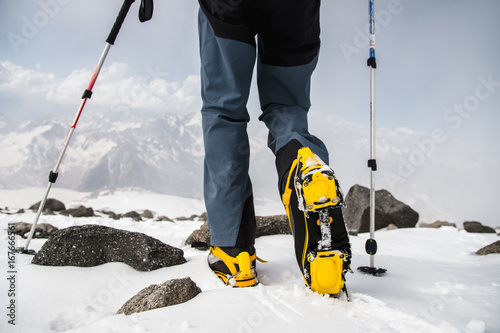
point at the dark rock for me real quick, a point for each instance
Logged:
(272, 225)
(156, 296)
(6, 212)
(147, 214)
(21, 228)
(357, 200)
(194, 217)
(438, 224)
(42, 230)
(388, 210)
(200, 236)
(81, 211)
(111, 214)
(133, 215)
(490, 249)
(184, 218)
(266, 226)
(92, 245)
(164, 218)
(478, 227)
(51, 204)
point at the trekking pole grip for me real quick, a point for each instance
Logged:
(119, 21)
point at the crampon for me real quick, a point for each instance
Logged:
(312, 200)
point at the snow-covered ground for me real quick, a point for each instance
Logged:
(434, 282)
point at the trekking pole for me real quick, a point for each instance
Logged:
(145, 13)
(371, 244)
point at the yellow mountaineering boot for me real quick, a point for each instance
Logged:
(312, 199)
(233, 265)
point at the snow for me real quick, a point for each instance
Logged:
(121, 126)
(12, 149)
(434, 282)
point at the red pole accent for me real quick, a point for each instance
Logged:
(94, 78)
(79, 113)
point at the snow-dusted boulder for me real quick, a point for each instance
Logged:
(478, 227)
(388, 210)
(133, 215)
(51, 204)
(266, 226)
(489, 249)
(42, 230)
(147, 214)
(200, 238)
(156, 296)
(273, 225)
(92, 245)
(438, 224)
(80, 211)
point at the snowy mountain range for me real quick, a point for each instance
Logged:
(162, 155)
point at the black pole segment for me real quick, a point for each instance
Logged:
(53, 176)
(119, 21)
(87, 94)
(146, 10)
(371, 62)
(371, 246)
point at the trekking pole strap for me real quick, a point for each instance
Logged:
(119, 21)
(146, 10)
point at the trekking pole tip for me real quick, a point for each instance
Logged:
(22, 250)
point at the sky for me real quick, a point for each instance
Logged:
(437, 81)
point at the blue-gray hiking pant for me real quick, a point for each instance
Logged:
(288, 45)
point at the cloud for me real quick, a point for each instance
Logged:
(16, 80)
(150, 93)
(113, 88)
